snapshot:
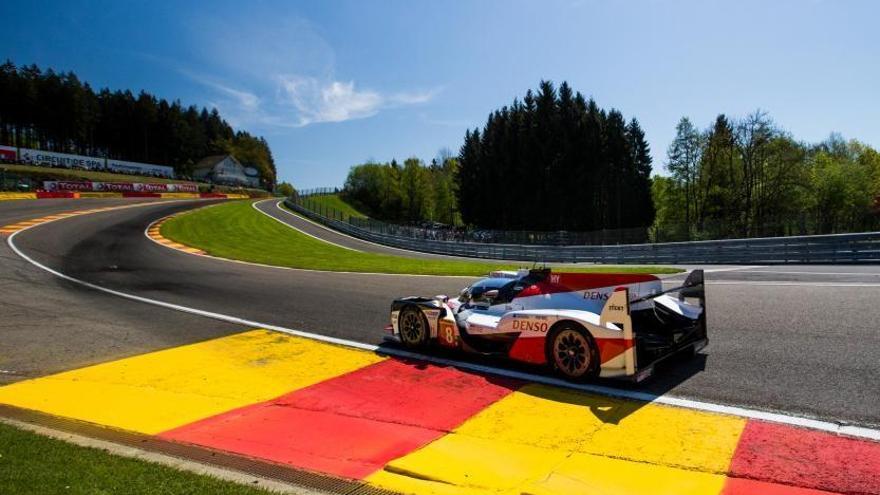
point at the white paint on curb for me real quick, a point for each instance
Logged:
(774, 417)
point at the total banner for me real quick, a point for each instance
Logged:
(8, 154)
(90, 186)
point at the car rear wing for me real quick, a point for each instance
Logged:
(617, 311)
(693, 287)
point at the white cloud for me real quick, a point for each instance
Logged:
(318, 101)
(278, 71)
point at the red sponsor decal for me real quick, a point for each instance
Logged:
(530, 326)
(7, 155)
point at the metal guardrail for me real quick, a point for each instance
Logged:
(834, 248)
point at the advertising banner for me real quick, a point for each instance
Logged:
(139, 168)
(8, 153)
(58, 185)
(189, 188)
(159, 188)
(52, 159)
(89, 186)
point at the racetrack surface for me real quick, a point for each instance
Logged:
(49, 325)
(802, 347)
(274, 209)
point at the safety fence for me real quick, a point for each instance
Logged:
(834, 248)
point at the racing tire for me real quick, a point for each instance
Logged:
(413, 327)
(572, 353)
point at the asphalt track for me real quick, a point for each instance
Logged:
(802, 340)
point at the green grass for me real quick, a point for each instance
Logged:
(34, 464)
(337, 203)
(74, 174)
(236, 230)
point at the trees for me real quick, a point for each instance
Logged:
(555, 161)
(684, 156)
(56, 112)
(285, 189)
(747, 177)
(411, 194)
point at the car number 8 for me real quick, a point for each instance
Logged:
(450, 336)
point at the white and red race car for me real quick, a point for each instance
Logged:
(579, 324)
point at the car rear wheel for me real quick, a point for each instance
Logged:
(413, 327)
(572, 352)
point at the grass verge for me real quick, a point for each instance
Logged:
(31, 463)
(337, 203)
(236, 230)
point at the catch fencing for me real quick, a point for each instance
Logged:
(834, 248)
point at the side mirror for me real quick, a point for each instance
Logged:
(491, 294)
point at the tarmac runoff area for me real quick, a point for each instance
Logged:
(412, 427)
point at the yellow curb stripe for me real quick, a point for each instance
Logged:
(155, 233)
(166, 389)
(607, 445)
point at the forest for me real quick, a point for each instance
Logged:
(554, 161)
(747, 177)
(58, 112)
(410, 193)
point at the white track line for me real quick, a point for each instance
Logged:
(328, 229)
(732, 269)
(791, 284)
(783, 272)
(774, 417)
(276, 267)
(254, 205)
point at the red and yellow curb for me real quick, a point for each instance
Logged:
(9, 196)
(15, 227)
(154, 232)
(413, 427)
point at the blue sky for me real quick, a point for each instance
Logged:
(331, 84)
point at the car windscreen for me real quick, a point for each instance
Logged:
(474, 293)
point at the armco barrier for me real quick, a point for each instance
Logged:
(835, 248)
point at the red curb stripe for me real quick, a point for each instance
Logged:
(351, 426)
(811, 459)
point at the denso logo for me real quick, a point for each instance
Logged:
(594, 295)
(530, 326)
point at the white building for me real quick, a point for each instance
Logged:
(225, 169)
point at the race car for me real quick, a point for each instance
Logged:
(581, 325)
